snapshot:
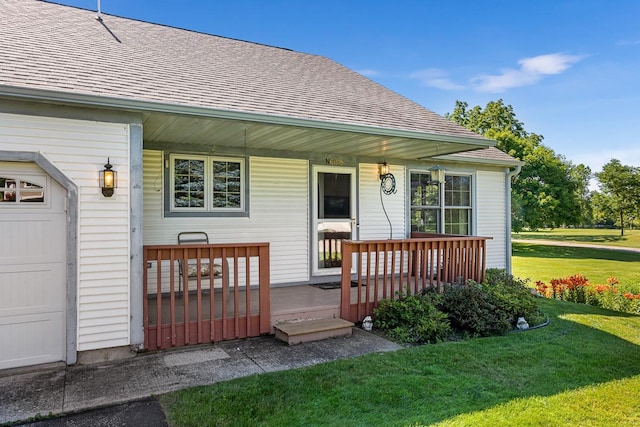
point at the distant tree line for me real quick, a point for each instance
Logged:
(551, 191)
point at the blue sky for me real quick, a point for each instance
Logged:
(570, 69)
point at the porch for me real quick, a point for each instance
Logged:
(214, 292)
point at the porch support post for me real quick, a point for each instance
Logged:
(345, 292)
(135, 232)
(264, 289)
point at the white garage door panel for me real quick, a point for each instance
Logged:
(31, 339)
(28, 235)
(29, 290)
(32, 273)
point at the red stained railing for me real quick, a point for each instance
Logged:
(384, 268)
(204, 293)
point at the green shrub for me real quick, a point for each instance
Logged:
(412, 319)
(473, 311)
(510, 294)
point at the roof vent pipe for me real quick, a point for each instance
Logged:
(99, 17)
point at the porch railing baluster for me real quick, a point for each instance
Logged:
(424, 261)
(164, 326)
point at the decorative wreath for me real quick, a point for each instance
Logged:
(388, 184)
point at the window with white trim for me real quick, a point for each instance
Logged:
(441, 209)
(206, 184)
(16, 190)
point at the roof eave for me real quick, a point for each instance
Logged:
(480, 160)
(36, 94)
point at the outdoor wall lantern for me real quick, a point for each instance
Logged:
(108, 180)
(437, 174)
(383, 169)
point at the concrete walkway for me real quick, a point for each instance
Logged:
(575, 245)
(59, 389)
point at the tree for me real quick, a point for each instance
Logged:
(581, 175)
(621, 185)
(549, 191)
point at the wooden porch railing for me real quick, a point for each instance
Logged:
(204, 293)
(386, 267)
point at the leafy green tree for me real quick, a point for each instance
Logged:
(582, 175)
(550, 190)
(621, 185)
(604, 214)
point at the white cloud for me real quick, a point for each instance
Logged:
(434, 77)
(531, 71)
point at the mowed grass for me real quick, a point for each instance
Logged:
(540, 262)
(606, 237)
(582, 369)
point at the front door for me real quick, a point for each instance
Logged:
(334, 216)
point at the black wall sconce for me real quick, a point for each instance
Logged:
(108, 180)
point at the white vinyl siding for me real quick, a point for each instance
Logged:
(278, 214)
(80, 149)
(372, 219)
(491, 215)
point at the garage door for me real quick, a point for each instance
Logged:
(32, 266)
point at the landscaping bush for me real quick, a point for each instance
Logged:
(412, 319)
(474, 312)
(511, 295)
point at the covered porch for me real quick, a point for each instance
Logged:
(205, 293)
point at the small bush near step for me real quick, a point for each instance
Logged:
(475, 310)
(412, 319)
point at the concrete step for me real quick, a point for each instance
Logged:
(298, 331)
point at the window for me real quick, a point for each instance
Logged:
(434, 211)
(206, 184)
(15, 190)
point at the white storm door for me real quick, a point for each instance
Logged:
(334, 216)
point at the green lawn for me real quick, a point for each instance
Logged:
(582, 369)
(631, 238)
(538, 262)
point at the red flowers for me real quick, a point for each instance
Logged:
(577, 288)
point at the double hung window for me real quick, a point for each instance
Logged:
(206, 184)
(445, 208)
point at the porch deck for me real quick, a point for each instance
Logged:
(208, 306)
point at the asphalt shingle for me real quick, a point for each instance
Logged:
(61, 48)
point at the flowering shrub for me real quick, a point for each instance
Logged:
(577, 289)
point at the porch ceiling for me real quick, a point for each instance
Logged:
(170, 129)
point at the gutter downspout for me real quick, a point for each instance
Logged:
(508, 175)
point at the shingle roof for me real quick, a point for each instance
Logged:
(60, 48)
(488, 155)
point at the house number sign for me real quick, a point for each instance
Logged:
(335, 162)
